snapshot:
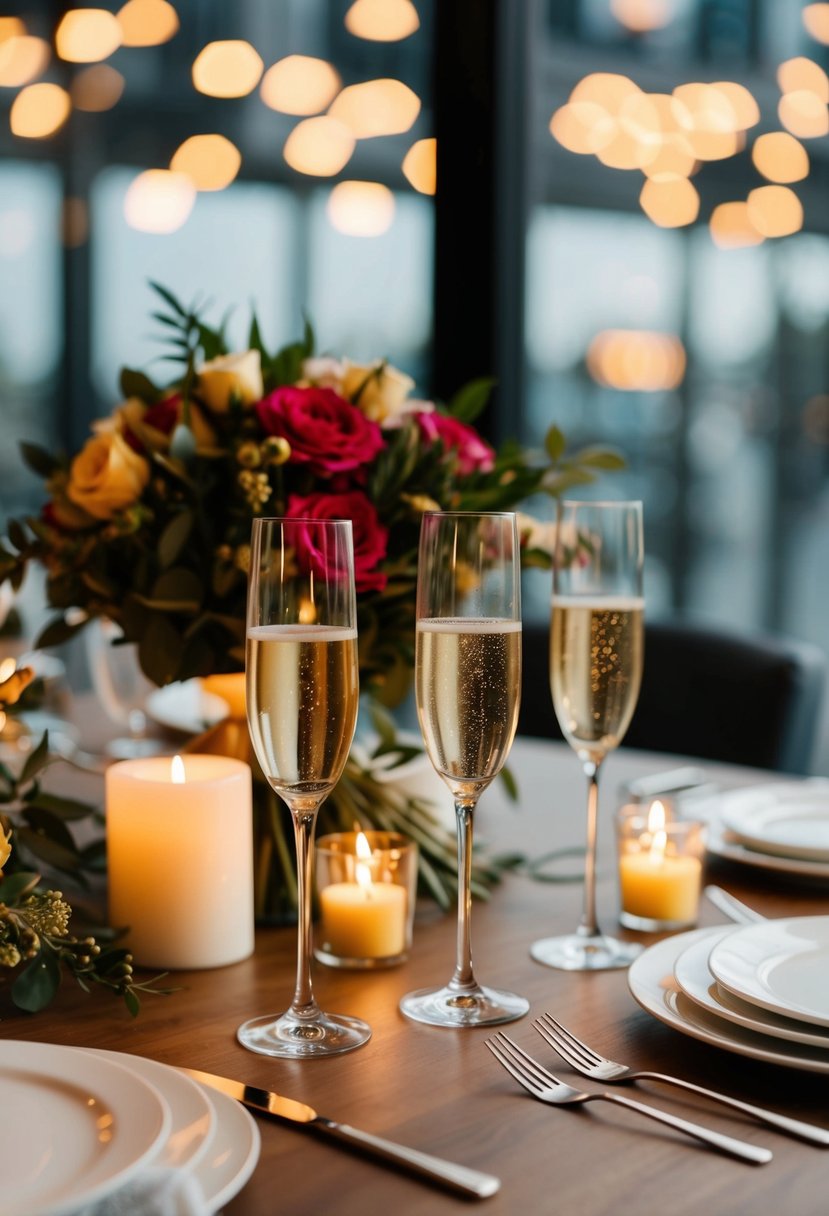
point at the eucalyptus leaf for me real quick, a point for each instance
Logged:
(48, 850)
(555, 444)
(469, 401)
(39, 460)
(35, 987)
(137, 384)
(36, 761)
(57, 632)
(159, 650)
(174, 537)
(14, 887)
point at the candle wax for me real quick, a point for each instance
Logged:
(666, 890)
(359, 922)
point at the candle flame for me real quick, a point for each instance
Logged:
(659, 837)
(7, 668)
(177, 775)
(362, 871)
(656, 817)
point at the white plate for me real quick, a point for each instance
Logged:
(782, 965)
(652, 983)
(185, 707)
(722, 843)
(787, 820)
(694, 977)
(72, 1128)
(232, 1153)
(193, 1118)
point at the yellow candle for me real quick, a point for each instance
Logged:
(663, 888)
(231, 688)
(180, 859)
(363, 921)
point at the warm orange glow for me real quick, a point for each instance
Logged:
(705, 107)
(780, 157)
(605, 89)
(816, 21)
(210, 161)
(319, 147)
(636, 360)
(670, 204)
(420, 166)
(376, 107)
(147, 22)
(74, 222)
(300, 84)
(625, 151)
(86, 35)
(652, 120)
(674, 159)
(39, 110)
(716, 145)
(361, 208)
(804, 114)
(382, 20)
(22, 60)
(97, 88)
(731, 227)
(803, 75)
(640, 16)
(583, 127)
(11, 27)
(743, 104)
(227, 69)
(775, 210)
(159, 201)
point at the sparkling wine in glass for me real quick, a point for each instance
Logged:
(302, 695)
(468, 687)
(596, 655)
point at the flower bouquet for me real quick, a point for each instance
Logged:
(149, 526)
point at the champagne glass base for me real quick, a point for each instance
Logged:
(294, 1038)
(454, 1007)
(579, 952)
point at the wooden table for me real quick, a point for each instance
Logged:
(441, 1091)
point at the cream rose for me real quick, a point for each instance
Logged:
(231, 377)
(384, 390)
(543, 534)
(106, 475)
(324, 371)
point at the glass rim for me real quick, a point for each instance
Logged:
(470, 514)
(298, 519)
(601, 502)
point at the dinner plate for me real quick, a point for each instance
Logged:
(232, 1153)
(694, 977)
(185, 707)
(781, 965)
(73, 1127)
(653, 985)
(786, 820)
(722, 843)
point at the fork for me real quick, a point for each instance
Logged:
(547, 1088)
(590, 1064)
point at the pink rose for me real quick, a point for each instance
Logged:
(325, 431)
(370, 537)
(472, 454)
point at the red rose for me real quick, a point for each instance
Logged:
(370, 537)
(325, 431)
(472, 453)
(164, 415)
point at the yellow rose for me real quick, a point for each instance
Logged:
(107, 475)
(231, 377)
(325, 372)
(5, 850)
(384, 389)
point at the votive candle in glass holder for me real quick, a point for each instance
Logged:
(366, 886)
(660, 867)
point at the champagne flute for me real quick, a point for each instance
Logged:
(468, 687)
(596, 653)
(302, 694)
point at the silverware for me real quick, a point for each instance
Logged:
(679, 782)
(590, 1064)
(731, 906)
(547, 1088)
(458, 1178)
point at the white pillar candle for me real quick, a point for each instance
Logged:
(180, 860)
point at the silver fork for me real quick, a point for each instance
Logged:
(547, 1088)
(590, 1064)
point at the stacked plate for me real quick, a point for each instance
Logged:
(77, 1125)
(758, 990)
(781, 826)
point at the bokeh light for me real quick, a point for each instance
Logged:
(382, 20)
(641, 16)
(11, 27)
(210, 161)
(159, 201)
(227, 69)
(420, 166)
(74, 222)
(634, 360)
(816, 21)
(300, 84)
(780, 157)
(22, 59)
(147, 22)
(376, 107)
(87, 35)
(97, 88)
(801, 74)
(319, 147)
(363, 209)
(731, 227)
(39, 110)
(670, 204)
(775, 210)
(803, 113)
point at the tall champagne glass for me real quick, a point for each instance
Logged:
(468, 687)
(596, 653)
(302, 693)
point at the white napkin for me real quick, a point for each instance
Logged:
(154, 1192)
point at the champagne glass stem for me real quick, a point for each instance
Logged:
(463, 977)
(303, 1005)
(589, 926)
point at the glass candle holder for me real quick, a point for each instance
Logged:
(366, 888)
(660, 867)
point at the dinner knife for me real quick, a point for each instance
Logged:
(471, 1183)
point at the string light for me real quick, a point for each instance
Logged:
(147, 22)
(634, 360)
(22, 59)
(420, 166)
(227, 69)
(670, 204)
(376, 107)
(364, 209)
(642, 16)
(87, 35)
(775, 210)
(300, 84)
(382, 20)
(780, 157)
(159, 201)
(39, 110)
(731, 227)
(319, 146)
(816, 21)
(803, 114)
(210, 161)
(97, 88)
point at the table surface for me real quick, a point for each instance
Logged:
(441, 1091)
